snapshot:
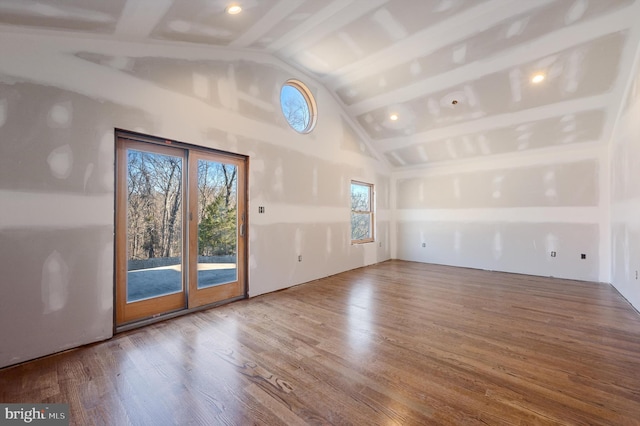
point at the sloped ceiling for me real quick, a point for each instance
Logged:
(456, 73)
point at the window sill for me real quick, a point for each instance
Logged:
(357, 242)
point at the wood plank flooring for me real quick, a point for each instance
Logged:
(398, 343)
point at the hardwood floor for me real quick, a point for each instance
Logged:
(396, 343)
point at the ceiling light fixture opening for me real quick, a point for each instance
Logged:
(538, 78)
(234, 9)
(394, 117)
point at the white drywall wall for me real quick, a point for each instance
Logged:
(625, 194)
(61, 99)
(506, 213)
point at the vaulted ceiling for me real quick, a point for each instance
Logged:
(427, 81)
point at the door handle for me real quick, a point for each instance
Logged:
(242, 230)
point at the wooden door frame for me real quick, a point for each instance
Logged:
(140, 316)
(127, 312)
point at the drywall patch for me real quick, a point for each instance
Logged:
(443, 6)
(497, 186)
(201, 85)
(60, 115)
(389, 24)
(573, 71)
(106, 157)
(179, 26)
(485, 149)
(457, 241)
(314, 182)
(60, 162)
(551, 243)
(228, 90)
(415, 69)
(3, 112)
(298, 241)
(550, 184)
(515, 80)
(121, 63)
(459, 54)
(456, 188)
(55, 283)
(517, 27)
(422, 153)
(576, 12)
(278, 178)
(497, 245)
(87, 174)
(104, 277)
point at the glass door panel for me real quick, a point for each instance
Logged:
(217, 223)
(218, 237)
(151, 217)
(154, 220)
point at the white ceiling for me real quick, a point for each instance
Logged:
(412, 58)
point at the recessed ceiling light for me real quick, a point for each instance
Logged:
(394, 117)
(234, 9)
(538, 78)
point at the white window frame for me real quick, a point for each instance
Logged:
(371, 237)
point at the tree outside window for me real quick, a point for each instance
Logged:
(362, 223)
(298, 106)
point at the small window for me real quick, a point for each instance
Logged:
(298, 106)
(361, 212)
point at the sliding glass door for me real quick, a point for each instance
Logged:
(180, 228)
(218, 236)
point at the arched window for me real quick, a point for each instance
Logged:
(298, 106)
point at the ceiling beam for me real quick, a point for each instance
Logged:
(559, 109)
(333, 17)
(140, 17)
(272, 18)
(432, 38)
(551, 43)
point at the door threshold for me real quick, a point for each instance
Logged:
(169, 315)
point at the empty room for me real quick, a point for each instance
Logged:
(289, 212)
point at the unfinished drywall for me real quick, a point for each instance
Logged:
(581, 127)
(625, 194)
(526, 214)
(61, 99)
(580, 71)
(100, 17)
(493, 170)
(505, 35)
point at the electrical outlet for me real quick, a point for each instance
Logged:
(424, 244)
(583, 256)
(553, 254)
(300, 258)
(261, 209)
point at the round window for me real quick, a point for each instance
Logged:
(298, 106)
